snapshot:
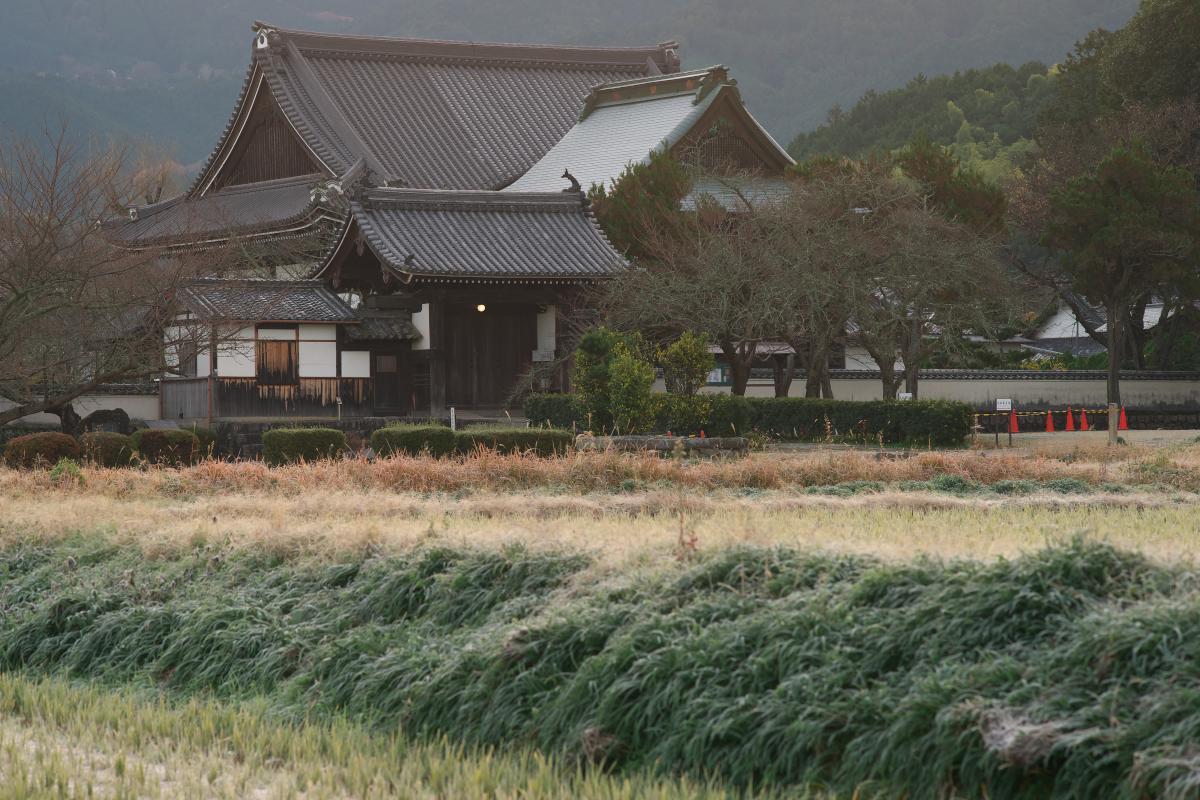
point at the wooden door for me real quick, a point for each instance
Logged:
(390, 395)
(486, 352)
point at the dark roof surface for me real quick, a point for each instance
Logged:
(431, 114)
(502, 235)
(383, 325)
(265, 301)
(233, 211)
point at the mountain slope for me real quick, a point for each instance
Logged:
(794, 58)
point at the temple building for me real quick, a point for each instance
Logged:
(409, 219)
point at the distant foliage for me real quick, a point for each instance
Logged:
(993, 108)
(292, 445)
(40, 450)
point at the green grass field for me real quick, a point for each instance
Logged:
(948, 625)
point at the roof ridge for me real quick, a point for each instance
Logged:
(665, 54)
(482, 198)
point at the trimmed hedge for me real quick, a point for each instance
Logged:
(506, 439)
(106, 448)
(413, 440)
(564, 411)
(715, 414)
(291, 445)
(170, 447)
(40, 449)
(917, 422)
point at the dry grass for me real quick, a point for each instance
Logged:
(625, 509)
(592, 472)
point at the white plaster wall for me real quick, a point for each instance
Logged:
(420, 320)
(137, 406)
(318, 359)
(546, 333)
(356, 364)
(318, 333)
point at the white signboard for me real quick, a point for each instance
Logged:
(1003, 404)
(904, 395)
(542, 356)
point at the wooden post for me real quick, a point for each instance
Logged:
(212, 371)
(1113, 421)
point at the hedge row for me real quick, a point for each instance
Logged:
(292, 445)
(440, 441)
(939, 422)
(171, 447)
(714, 414)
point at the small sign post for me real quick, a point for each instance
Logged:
(904, 395)
(1003, 404)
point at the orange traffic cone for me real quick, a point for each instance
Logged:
(1083, 426)
(1070, 420)
(702, 433)
(1123, 425)
(1013, 427)
(1049, 422)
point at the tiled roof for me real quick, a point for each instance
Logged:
(487, 235)
(269, 206)
(265, 301)
(624, 122)
(429, 114)
(383, 325)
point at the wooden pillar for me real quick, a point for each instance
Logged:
(437, 358)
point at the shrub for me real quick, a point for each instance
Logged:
(170, 447)
(40, 449)
(630, 391)
(593, 372)
(438, 440)
(715, 414)
(917, 422)
(290, 445)
(504, 439)
(686, 363)
(555, 411)
(207, 439)
(106, 449)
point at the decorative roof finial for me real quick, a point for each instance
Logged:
(574, 187)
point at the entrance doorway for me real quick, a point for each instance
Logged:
(487, 351)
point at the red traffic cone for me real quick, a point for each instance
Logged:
(1013, 427)
(1070, 420)
(1049, 422)
(1083, 426)
(1123, 425)
(702, 433)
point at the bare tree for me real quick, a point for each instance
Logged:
(76, 311)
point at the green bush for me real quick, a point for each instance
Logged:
(630, 391)
(170, 447)
(715, 414)
(413, 440)
(106, 448)
(505, 439)
(686, 363)
(290, 445)
(207, 438)
(40, 449)
(917, 422)
(556, 411)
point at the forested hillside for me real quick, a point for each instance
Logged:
(987, 116)
(795, 59)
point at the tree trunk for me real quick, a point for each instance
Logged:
(911, 362)
(888, 373)
(826, 385)
(739, 365)
(69, 421)
(785, 367)
(1115, 322)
